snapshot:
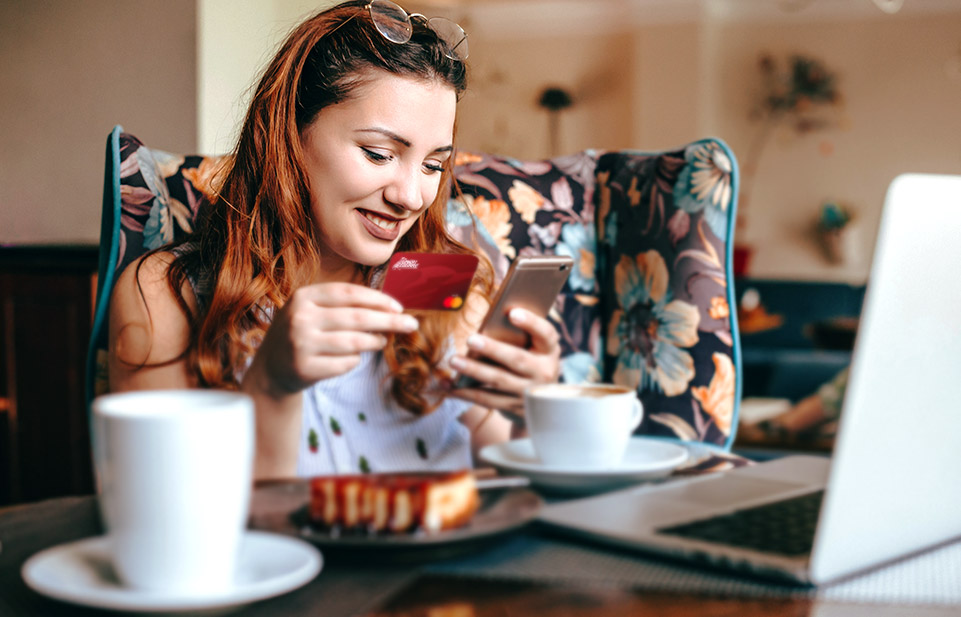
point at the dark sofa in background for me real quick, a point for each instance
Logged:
(803, 339)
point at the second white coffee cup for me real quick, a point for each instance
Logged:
(581, 426)
(174, 469)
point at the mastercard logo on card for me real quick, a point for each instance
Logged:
(430, 281)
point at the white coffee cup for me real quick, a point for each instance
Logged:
(174, 469)
(581, 427)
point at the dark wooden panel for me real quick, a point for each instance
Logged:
(45, 293)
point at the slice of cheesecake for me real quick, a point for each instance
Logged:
(394, 503)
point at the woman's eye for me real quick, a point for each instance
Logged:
(433, 167)
(375, 156)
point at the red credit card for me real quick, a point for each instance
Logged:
(430, 281)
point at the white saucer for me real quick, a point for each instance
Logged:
(81, 573)
(645, 459)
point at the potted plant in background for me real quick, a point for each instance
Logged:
(831, 228)
(799, 92)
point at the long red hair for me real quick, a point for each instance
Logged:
(256, 240)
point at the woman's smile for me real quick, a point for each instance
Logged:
(380, 225)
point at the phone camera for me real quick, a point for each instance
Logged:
(564, 267)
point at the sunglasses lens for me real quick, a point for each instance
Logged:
(452, 34)
(391, 21)
(395, 25)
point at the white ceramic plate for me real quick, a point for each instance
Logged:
(646, 459)
(81, 572)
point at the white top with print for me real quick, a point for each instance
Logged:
(352, 425)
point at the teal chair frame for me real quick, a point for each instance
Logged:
(106, 268)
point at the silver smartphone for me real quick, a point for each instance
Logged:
(532, 283)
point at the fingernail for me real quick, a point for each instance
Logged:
(518, 315)
(474, 341)
(410, 323)
(457, 362)
(396, 306)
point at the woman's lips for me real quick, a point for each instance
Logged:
(380, 227)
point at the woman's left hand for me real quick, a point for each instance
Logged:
(516, 368)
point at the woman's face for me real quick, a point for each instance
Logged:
(374, 164)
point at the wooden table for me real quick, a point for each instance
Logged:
(384, 590)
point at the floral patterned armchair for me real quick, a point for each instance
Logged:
(648, 303)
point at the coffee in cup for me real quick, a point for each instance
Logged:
(581, 427)
(174, 469)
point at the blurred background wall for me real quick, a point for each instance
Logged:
(644, 74)
(69, 71)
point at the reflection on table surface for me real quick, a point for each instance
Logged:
(438, 596)
(377, 588)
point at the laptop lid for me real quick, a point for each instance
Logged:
(893, 487)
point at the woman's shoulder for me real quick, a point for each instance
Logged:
(149, 277)
(146, 275)
(151, 271)
(146, 314)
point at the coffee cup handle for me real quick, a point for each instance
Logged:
(637, 415)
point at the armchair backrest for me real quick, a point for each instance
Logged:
(649, 301)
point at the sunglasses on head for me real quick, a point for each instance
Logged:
(395, 25)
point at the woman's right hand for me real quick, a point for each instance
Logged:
(321, 332)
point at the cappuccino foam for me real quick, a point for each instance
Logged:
(567, 391)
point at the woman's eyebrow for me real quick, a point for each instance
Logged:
(388, 134)
(401, 140)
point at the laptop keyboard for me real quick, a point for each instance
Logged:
(783, 527)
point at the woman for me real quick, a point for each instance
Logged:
(343, 159)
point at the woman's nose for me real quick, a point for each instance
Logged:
(405, 190)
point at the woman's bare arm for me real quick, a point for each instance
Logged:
(148, 331)
(148, 336)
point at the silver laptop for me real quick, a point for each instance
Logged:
(892, 487)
